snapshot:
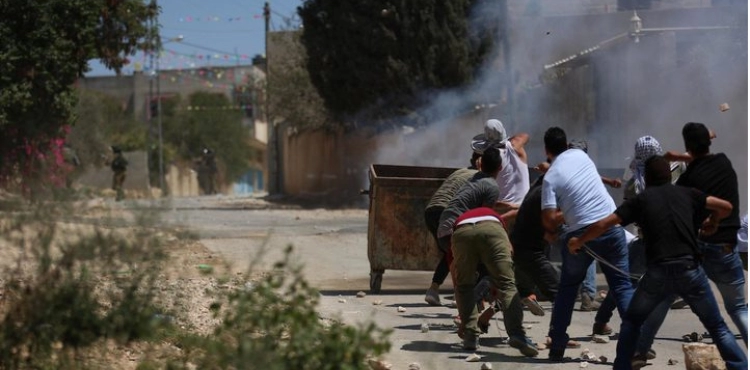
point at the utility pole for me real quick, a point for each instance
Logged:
(274, 166)
(162, 185)
(158, 112)
(152, 46)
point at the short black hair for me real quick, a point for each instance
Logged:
(555, 141)
(491, 160)
(697, 138)
(657, 171)
(473, 159)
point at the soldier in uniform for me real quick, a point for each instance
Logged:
(119, 167)
(207, 170)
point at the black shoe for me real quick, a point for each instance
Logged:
(471, 342)
(601, 329)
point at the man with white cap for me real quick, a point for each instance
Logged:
(513, 181)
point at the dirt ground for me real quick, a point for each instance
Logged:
(189, 276)
(184, 290)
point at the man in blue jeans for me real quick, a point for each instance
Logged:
(573, 193)
(669, 217)
(714, 175)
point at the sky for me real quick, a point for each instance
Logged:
(213, 32)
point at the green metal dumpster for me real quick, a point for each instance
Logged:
(397, 237)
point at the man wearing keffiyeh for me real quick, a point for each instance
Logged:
(645, 147)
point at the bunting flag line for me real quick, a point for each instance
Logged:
(212, 18)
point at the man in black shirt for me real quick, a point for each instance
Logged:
(529, 245)
(669, 217)
(713, 174)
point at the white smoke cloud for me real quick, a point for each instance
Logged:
(624, 89)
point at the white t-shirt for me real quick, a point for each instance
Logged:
(513, 178)
(573, 185)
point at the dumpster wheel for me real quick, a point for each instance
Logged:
(376, 279)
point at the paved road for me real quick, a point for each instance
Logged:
(332, 244)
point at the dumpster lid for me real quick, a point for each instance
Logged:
(413, 172)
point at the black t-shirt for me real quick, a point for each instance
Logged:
(528, 232)
(669, 217)
(713, 174)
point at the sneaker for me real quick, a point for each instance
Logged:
(588, 304)
(523, 344)
(678, 304)
(638, 361)
(601, 329)
(470, 343)
(432, 297)
(533, 305)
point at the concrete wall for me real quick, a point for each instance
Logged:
(182, 182)
(330, 163)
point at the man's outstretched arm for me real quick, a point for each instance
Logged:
(592, 232)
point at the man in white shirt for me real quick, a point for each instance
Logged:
(513, 182)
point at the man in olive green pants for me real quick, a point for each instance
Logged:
(480, 239)
(478, 235)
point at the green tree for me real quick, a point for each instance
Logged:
(293, 98)
(207, 120)
(102, 122)
(376, 58)
(46, 46)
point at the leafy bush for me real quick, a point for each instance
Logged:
(272, 324)
(72, 286)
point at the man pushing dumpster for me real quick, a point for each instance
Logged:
(432, 213)
(479, 236)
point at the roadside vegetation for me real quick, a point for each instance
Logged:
(96, 289)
